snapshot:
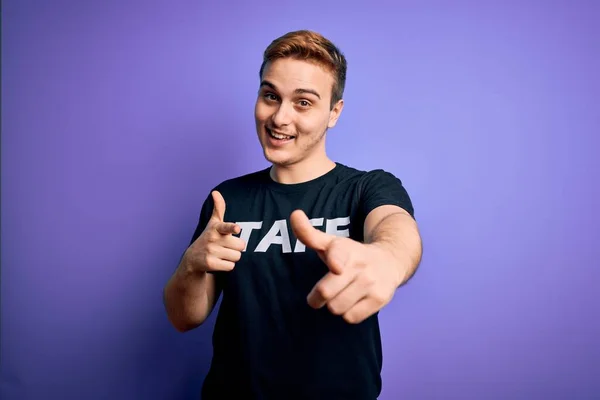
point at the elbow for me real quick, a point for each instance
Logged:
(178, 319)
(181, 324)
(182, 327)
(181, 321)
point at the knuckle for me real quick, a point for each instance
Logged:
(230, 266)
(241, 244)
(379, 297)
(331, 257)
(334, 308)
(323, 291)
(209, 261)
(351, 318)
(366, 279)
(210, 248)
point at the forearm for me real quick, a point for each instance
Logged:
(398, 236)
(187, 297)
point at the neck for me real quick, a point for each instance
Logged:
(303, 171)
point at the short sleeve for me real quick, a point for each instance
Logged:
(380, 188)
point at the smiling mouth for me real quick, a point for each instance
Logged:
(278, 136)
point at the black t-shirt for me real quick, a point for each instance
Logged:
(268, 342)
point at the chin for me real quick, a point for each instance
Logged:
(277, 158)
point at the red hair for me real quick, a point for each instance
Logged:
(314, 47)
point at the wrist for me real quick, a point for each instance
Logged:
(392, 258)
(189, 269)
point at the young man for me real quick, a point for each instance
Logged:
(305, 252)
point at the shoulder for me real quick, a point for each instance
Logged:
(377, 187)
(369, 178)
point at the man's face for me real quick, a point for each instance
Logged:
(293, 111)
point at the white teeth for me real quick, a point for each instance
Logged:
(278, 136)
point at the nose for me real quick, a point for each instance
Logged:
(282, 116)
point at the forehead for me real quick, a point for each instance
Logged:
(288, 74)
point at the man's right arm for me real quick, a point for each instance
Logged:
(190, 296)
(192, 291)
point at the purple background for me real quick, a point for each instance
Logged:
(118, 117)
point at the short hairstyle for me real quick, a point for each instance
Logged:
(313, 47)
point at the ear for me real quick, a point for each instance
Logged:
(335, 112)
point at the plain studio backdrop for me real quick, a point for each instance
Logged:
(119, 116)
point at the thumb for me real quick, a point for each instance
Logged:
(308, 234)
(219, 207)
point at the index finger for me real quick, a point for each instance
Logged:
(227, 228)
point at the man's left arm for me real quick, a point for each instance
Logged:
(364, 275)
(395, 232)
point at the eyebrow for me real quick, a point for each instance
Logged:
(299, 91)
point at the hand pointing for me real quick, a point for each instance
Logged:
(324, 244)
(216, 249)
(361, 279)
